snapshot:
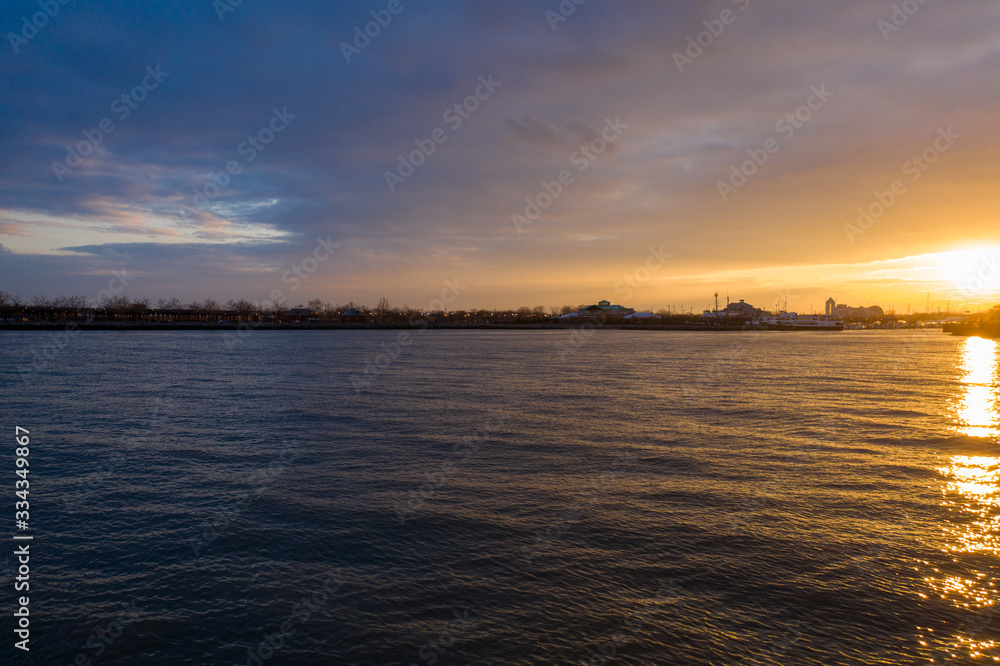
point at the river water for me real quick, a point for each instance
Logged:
(508, 497)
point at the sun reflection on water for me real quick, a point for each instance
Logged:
(971, 495)
(978, 407)
(972, 490)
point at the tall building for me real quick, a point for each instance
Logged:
(847, 312)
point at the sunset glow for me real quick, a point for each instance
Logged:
(864, 168)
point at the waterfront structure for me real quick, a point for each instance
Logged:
(644, 318)
(835, 309)
(605, 310)
(353, 316)
(741, 310)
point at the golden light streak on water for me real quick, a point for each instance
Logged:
(980, 401)
(972, 495)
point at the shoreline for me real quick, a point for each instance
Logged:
(328, 326)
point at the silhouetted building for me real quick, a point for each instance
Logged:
(604, 309)
(742, 310)
(353, 316)
(644, 318)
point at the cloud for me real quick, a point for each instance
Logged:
(324, 174)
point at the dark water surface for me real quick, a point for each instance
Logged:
(507, 497)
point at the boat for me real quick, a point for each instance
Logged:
(980, 329)
(790, 321)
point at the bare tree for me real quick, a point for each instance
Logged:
(244, 308)
(196, 306)
(315, 305)
(4, 298)
(40, 301)
(382, 310)
(169, 303)
(211, 305)
(120, 303)
(277, 306)
(139, 304)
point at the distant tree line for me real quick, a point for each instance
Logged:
(382, 313)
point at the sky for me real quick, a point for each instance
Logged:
(503, 154)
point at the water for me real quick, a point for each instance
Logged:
(517, 497)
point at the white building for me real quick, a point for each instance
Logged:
(835, 309)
